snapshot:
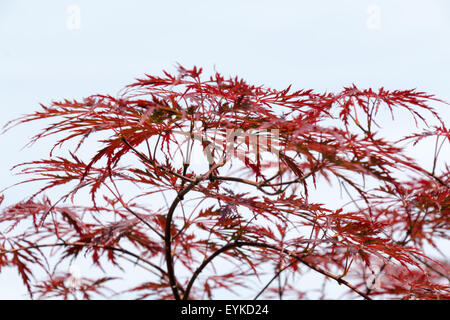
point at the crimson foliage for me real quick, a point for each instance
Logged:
(171, 189)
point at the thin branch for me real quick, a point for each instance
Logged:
(84, 244)
(272, 247)
(273, 279)
(168, 227)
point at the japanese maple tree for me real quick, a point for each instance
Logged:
(207, 183)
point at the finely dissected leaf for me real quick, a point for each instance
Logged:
(147, 180)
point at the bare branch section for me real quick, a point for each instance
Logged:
(208, 183)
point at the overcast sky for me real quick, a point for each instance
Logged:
(70, 49)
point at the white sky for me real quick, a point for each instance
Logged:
(323, 45)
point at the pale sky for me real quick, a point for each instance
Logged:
(49, 52)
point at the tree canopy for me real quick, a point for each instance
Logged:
(207, 184)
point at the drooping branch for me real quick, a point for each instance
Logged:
(85, 245)
(299, 258)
